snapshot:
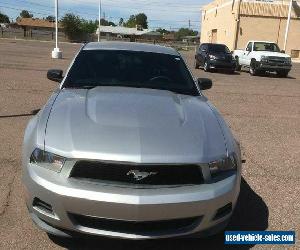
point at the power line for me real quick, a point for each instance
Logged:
(144, 9)
(12, 8)
(110, 16)
(92, 14)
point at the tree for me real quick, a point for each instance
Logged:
(137, 20)
(163, 31)
(89, 27)
(107, 23)
(142, 20)
(121, 22)
(72, 25)
(4, 18)
(131, 23)
(25, 14)
(182, 32)
(50, 18)
(77, 28)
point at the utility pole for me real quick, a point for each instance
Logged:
(56, 53)
(288, 25)
(189, 23)
(99, 30)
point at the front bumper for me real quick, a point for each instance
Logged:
(68, 197)
(219, 64)
(265, 66)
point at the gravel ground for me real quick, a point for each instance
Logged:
(263, 112)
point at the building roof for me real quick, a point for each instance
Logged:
(119, 30)
(144, 47)
(153, 33)
(35, 22)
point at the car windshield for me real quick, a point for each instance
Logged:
(93, 68)
(262, 46)
(218, 48)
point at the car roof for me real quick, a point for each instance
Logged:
(213, 44)
(257, 41)
(130, 46)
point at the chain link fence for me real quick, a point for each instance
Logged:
(50, 36)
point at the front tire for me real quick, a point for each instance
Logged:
(253, 70)
(238, 66)
(206, 66)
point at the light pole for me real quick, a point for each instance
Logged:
(288, 25)
(56, 53)
(99, 31)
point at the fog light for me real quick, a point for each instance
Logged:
(42, 206)
(223, 211)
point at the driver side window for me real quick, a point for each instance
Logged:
(249, 47)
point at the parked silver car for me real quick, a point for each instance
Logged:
(129, 147)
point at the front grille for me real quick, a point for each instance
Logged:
(137, 174)
(224, 59)
(134, 227)
(276, 60)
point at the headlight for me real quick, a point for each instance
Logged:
(289, 60)
(212, 57)
(47, 160)
(223, 165)
(264, 58)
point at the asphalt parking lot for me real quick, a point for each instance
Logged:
(263, 112)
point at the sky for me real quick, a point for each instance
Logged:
(169, 14)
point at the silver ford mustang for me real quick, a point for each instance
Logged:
(129, 147)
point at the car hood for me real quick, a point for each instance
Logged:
(134, 125)
(268, 53)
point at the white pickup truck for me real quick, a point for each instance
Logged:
(262, 56)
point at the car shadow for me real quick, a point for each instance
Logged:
(274, 75)
(271, 75)
(251, 214)
(223, 72)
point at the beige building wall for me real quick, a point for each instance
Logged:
(237, 22)
(219, 23)
(268, 29)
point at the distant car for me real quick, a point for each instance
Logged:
(262, 56)
(214, 56)
(129, 147)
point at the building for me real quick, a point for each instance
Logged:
(131, 33)
(235, 22)
(3, 25)
(191, 39)
(35, 25)
(170, 37)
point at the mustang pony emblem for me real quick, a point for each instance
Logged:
(138, 175)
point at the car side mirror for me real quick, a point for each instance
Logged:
(204, 83)
(55, 75)
(247, 49)
(282, 51)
